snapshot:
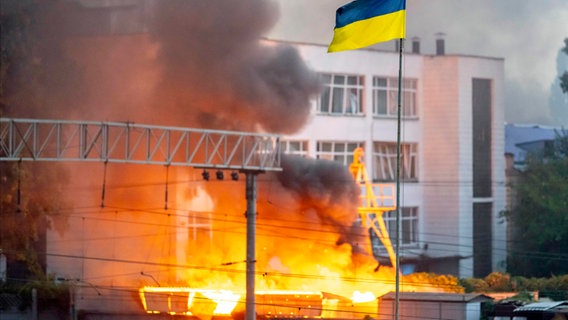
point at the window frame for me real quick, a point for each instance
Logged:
(408, 219)
(390, 89)
(333, 87)
(303, 150)
(338, 150)
(386, 159)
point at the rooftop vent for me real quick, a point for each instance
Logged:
(416, 45)
(440, 45)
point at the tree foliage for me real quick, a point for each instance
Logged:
(31, 197)
(564, 76)
(51, 295)
(31, 59)
(540, 217)
(555, 287)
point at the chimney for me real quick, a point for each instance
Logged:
(440, 45)
(416, 45)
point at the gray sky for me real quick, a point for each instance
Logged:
(527, 33)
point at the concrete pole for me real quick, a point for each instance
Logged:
(71, 301)
(250, 312)
(34, 304)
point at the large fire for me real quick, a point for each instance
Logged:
(307, 266)
(277, 303)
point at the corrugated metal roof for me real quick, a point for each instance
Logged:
(438, 296)
(522, 134)
(541, 306)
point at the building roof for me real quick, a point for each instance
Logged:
(522, 138)
(438, 297)
(381, 47)
(547, 306)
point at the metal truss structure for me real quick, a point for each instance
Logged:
(60, 140)
(374, 205)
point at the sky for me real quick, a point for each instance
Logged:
(528, 34)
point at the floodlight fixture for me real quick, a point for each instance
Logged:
(205, 175)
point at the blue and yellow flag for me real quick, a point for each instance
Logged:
(362, 23)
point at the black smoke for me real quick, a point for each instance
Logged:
(200, 63)
(324, 186)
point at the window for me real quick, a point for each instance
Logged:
(482, 238)
(408, 230)
(341, 152)
(342, 94)
(385, 97)
(107, 19)
(296, 147)
(408, 222)
(481, 137)
(200, 228)
(384, 158)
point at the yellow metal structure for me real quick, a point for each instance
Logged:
(373, 206)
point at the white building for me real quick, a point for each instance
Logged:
(453, 169)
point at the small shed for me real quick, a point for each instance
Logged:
(432, 305)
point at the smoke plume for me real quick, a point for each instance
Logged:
(324, 186)
(188, 63)
(199, 63)
(216, 68)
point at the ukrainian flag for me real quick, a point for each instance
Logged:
(362, 23)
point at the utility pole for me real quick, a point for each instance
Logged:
(250, 311)
(72, 307)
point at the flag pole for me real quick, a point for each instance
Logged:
(398, 165)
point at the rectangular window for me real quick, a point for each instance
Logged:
(385, 97)
(342, 94)
(482, 239)
(408, 222)
(384, 161)
(408, 230)
(481, 139)
(200, 229)
(297, 147)
(341, 152)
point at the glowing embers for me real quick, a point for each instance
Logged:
(285, 304)
(360, 297)
(170, 300)
(225, 301)
(187, 301)
(204, 304)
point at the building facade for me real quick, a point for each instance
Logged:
(452, 146)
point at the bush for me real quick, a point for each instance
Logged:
(555, 288)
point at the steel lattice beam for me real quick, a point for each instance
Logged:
(60, 140)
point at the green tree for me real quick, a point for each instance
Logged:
(540, 217)
(31, 59)
(555, 287)
(564, 76)
(31, 197)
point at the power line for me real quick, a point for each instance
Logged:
(295, 228)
